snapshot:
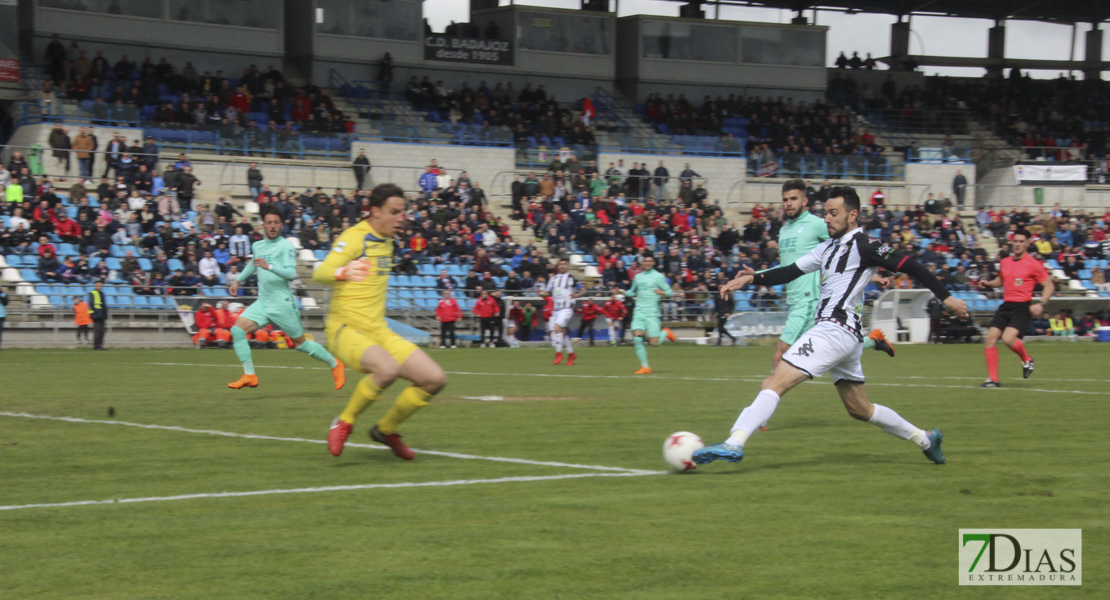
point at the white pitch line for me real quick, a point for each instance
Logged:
(755, 378)
(334, 488)
(252, 436)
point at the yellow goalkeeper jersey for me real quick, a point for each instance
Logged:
(360, 304)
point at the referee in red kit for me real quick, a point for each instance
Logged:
(1018, 274)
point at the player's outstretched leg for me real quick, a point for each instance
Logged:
(667, 336)
(641, 353)
(569, 350)
(338, 369)
(243, 352)
(877, 341)
(854, 397)
(732, 449)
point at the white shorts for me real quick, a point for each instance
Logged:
(510, 324)
(562, 316)
(612, 322)
(828, 348)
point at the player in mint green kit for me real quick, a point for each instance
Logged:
(275, 261)
(800, 233)
(648, 288)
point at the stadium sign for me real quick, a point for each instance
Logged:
(10, 70)
(450, 48)
(1056, 173)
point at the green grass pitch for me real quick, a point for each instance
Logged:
(822, 506)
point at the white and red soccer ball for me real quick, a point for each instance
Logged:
(679, 448)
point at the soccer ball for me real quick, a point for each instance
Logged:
(679, 450)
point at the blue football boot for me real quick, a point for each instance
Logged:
(720, 451)
(933, 453)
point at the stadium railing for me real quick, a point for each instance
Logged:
(827, 166)
(942, 154)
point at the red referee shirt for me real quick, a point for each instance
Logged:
(1020, 276)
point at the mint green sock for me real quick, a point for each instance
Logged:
(242, 349)
(868, 343)
(318, 352)
(641, 351)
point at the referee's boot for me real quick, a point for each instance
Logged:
(1027, 368)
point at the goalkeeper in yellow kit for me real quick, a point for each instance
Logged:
(358, 266)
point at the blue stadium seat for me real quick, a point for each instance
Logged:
(145, 264)
(174, 264)
(140, 302)
(29, 275)
(113, 263)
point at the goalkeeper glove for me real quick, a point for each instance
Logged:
(356, 270)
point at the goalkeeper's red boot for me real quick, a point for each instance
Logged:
(339, 374)
(393, 440)
(570, 359)
(337, 436)
(558, 358)
(244, 381)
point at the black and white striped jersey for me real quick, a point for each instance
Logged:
(561, 286)
(847, 264)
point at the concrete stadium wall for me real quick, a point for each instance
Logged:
(488, 166)
(721, 174)
(938, 180)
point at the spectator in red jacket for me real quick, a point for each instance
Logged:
(548, 310)
(448, 313)
(67, 229)
(516, 317)
(486, 311)
(205, 319)
(614, 311)
(587, 312)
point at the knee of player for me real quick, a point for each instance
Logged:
(433, 383)
(237, 333)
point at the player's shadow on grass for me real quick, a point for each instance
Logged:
(824, 461)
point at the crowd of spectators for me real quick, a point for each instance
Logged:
(769, 131)
(260, 100)
(526, 116)
(1055, 119)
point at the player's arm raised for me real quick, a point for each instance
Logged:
(343, 262)
(887, 257)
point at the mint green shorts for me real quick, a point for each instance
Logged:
(651, 326)
(285, 318)
(798, 321)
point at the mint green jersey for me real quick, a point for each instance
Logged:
(643, 290)
(797, 237)
(273, 283)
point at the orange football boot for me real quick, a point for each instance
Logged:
(244, 381)
(643, 371)
(339, 374)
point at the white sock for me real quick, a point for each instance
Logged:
(892, 423)
(566, 344)
(557, 341)
(759, 411)
(612, 333)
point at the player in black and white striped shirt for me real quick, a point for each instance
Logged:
(847, 260)
(562, 287)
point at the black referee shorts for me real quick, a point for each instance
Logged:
(1012, 314)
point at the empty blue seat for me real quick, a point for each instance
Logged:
(145, 264)
(113, 263)
(175, 264)
(30, 275)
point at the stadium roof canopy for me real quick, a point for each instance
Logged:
(1056, 11)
